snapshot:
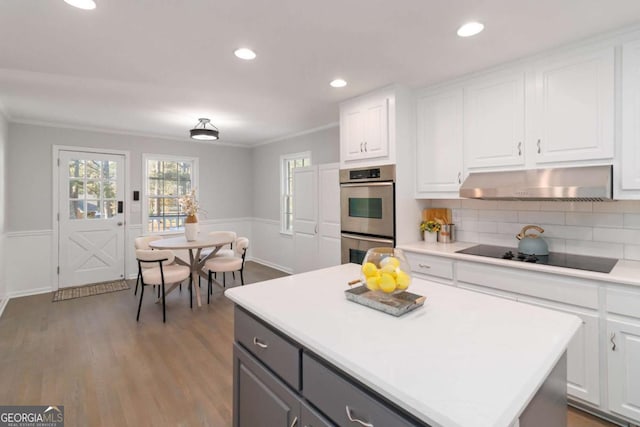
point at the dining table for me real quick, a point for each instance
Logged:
(196, 258)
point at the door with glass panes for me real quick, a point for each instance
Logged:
(91, 218)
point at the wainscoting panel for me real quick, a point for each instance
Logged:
(270, 247)
(28, 263)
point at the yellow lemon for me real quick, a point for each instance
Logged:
(373, 283)
(390, 260)
(369, 269)
(403, 280)
(387, 283)
(389, 269)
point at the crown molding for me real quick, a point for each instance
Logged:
(294, 135)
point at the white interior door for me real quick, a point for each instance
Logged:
(328, 215)
(305, 219)
(91, 217)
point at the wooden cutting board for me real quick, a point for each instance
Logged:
(433, 214)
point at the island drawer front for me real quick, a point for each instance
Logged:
(624, 302)
(338, 398)
(569, 290)
(276, 352)
(430, 265)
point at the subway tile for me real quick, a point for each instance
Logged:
(445, 203)
(541, 217)
(556, 245)
(478, 204)
(566, 206)
(467, 225)
(593, 248)
(467, 236)
(510, 227)
(481, 226)
(512, 205)
(612, 220)
(497, 216)
(568, 232)
(497, 239)
(632, 252)
(618, 235)
(631, 220)
(630, 206)
(464, 214)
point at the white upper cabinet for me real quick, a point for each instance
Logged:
(494, 121)
(439, 143)
(575, 107)
(364, 128)
(630, 150)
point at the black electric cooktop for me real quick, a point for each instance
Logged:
(556, 259)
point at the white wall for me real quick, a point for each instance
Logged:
(225, 193)
(609, 229)
(325, 148)
(4, 134)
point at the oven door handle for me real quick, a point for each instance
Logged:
(368, 184)
(366, 239)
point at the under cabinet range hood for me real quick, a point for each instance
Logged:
(587, 183)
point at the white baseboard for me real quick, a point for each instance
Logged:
(272, 265)
(3, 304)
(29, 292)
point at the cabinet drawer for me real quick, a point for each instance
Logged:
(623, 302)
(430, 265)
(339, 399)
(275, 351)
(569, 290)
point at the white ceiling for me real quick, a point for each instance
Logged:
(155, 66)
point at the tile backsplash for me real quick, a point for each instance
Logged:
(610, 229)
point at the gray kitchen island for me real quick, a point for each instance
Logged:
(306, 356)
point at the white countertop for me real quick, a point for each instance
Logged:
(625, 272)
(464, 359)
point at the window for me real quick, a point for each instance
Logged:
(166, 180)
(289, 163)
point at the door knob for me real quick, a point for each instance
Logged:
(120, 223)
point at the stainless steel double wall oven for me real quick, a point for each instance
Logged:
(367, 210)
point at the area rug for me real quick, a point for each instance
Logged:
(89, 290)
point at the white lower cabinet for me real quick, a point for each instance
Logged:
(583, 355)
(623, 357)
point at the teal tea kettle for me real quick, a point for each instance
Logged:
(532, 244)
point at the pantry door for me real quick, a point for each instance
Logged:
(91, 217)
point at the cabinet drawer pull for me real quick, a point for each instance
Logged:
(613, 343)
(520, 148)
(259, 343)
(294, 422)
(424, 266)
(538, 146)
(355, 420)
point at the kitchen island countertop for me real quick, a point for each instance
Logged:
(464, 359)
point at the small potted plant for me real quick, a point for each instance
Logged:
(430, 230)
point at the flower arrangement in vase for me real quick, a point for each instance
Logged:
(191, 207)
(430, 230)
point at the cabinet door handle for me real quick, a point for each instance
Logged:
(613, 343)
(459, 177)
(365, 146)
(520, 148)
(315, 229)
(424, 266)
(259, 343)
(361, 147)
(538, 146)
(355, 420)
(294, 422)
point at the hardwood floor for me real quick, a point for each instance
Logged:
(90, 355)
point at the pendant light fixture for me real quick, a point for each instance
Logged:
(204, 131)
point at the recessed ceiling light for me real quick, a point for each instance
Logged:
(82, 4)
(338, 83)
(244, 53)
(470, 29)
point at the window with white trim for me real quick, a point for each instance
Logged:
(166, 180)
(288, 163)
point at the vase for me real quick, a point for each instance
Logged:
(430, 237)
(191, 228)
